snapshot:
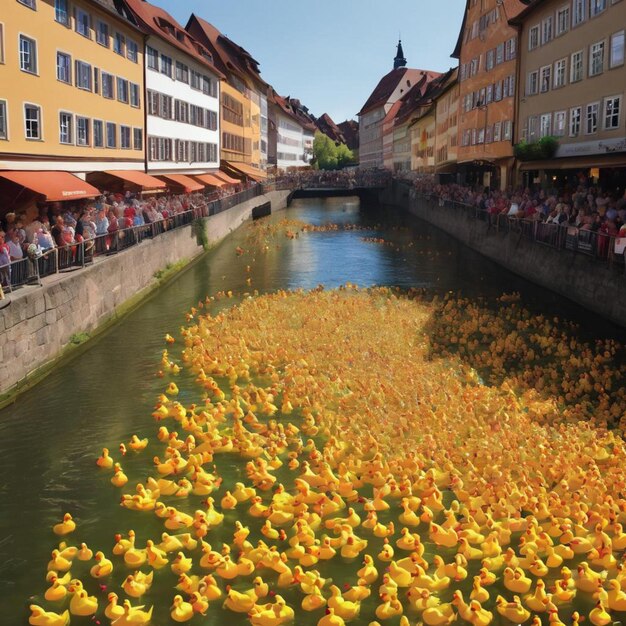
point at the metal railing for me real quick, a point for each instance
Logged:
(581, 241)
(30, 271)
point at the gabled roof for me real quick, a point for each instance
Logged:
(228, 56)
(511, 9)
(329, 128)
(293, 109)
(411, 100)
(118, 9)
(350, 130)
(387, 85)
(161, 24)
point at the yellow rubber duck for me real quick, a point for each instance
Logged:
(421, 599)
(137, 584)
(440, 536)
(81, 603)
(516, 581)
(199, 603)
(58, 563)
(103, 566)
(358, 592)
(209, 589)
(588, 580)
(113, 610)
(156, 558)
(119, 479)
(84, 553)
(344, 608)
(478, 615)
(368, 573)
(463, 609)
(538, 600)
(389, 608)
(400, 576)
(386, 553)
(134, 615)
(56, 592)
(513, 611)
(181, 611)
(616, 597)
(39, 617)
(599, 616)
(104, 461)
(137, 444)
(479, 593)
(181, 564)
(330, 619)
(65, 527)
(441, 615)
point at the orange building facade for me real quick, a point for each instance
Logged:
(487, 50)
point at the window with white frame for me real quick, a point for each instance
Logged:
(533, 37)
(83, 75)
(82, 131)
(64, 67)
(182, 72)
(4, 126)
(166, 65)
(545, 124)
(65, 127)
(577, 66)
(532, 128)
(532, 86)
(153, 58)
(575, 114)
(125, 137)
(497, 131)
(560, 73)
(98, 134)
(28, 54)
(617, 49)
(61, 12)
(137, 138)
(135, 95)
(545, 78)
(102, 34)
(612, 111)
(132, 50)
(83, 22)
(119, 44)
(560, 121)
(32, 121)
(107, 86)
(597, 6)
(546, 30)
(122, 90)
(579, 12)
(562, 20)
(596, 58)
(508, 129)
(111, 135)
(591, 118)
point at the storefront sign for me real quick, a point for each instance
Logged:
(603, 146)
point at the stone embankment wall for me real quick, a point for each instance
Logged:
(40, 321)
(580, 278)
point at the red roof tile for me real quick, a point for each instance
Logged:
(350, 130)
(329, 128)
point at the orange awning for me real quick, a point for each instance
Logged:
(138, 178)
(226, 178)
(55, 186)
(247, 170)
(187, 183)
(210, 179)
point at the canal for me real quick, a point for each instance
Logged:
(51, 437)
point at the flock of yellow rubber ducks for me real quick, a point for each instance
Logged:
(368, 445)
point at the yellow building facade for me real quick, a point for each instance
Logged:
(73, 78)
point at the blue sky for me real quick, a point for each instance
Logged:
(331, 53)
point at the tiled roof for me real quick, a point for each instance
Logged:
(329, 128)
(350, 130)
(294, 109)
(429, 93)
(160, 23)
(117, 8)
(521, 15)
(228, 56)
(387, 86)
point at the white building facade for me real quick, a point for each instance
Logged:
(289, 143)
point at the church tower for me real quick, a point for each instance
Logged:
(399, 61)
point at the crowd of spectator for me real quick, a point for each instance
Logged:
(348, 178)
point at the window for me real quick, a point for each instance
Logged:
(533, 37)
(32, 121)
(489, 94)
(499, 53)
(153, 58)
(82, 131)
(98, 134)
(591, 125)
(122, 90)
(152, 102)
(83, 75)
(562, 20)
(166, 65)
(510, 50)
(596, 58)
(61, 13)
(64, 67)
(532, 128)
(560, 73)
(83, 22)
(617, 49)
(29, 3)
(4, 127)
(28, 55)
(612, 107)
(545, 124)
(576, 68)
(132, 50)
(546, 30)
(533, 83)
(65, 127)
(182, 72)
(497, 131)
(597, 6)
(508, 129)
(497, 91)
(125, 137)
(111, 135)
(107, 86)
(119, 44)
(560, 120)
(166, 107)
(135, 97)
(574, 121)
(96, 80)
(102, 34)
(546, 72)
(579, 12)
(137, 139)
(181, 111)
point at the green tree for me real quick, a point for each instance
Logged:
(344, 155)
(327, 155)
